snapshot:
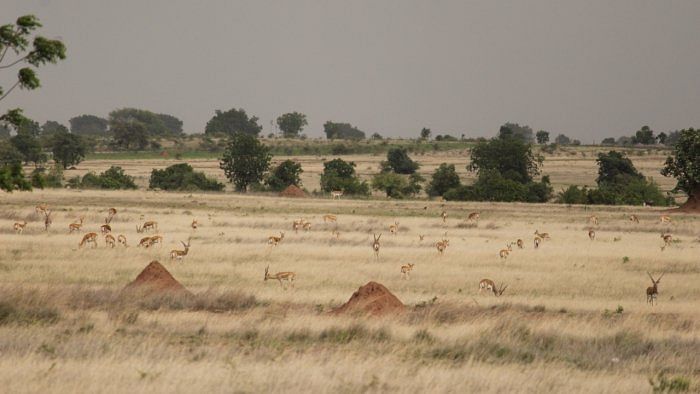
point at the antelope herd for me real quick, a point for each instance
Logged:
(288, 277)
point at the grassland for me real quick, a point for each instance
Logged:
(573, 318)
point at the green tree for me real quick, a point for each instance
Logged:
(88, 125)
(644, 136)
(608, 141)
(425, 133)
(114, 178)
(508, 155)
(524, 132)
(542, 137)
(377, 136)
(12, 178)
(286, 173)
(562, 140)
(4, 132)
(662, 138)
(344, 131)
(129, 135)
(29, 147)
(173, 125)
(30, 127)
(399, 162)
(182, 177)
(397, 186)
(339, 174)
(9, 154)
(292, 124)
(232, 122)
(51, 127)
(156, 125)
(68, 149)
(615, 167)
(444, 179)
(245, 161)
(684, 165)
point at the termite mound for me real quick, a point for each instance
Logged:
(372, 299)
(155, 280)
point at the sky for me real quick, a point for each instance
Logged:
(587, 69)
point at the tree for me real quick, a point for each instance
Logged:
(523, 132)
(343, 131)
(9, 154)
(232, 122)
(292, 124)
(684, 165)
(68, 149)
(339, 174)
(397, 186)
(562, 140)
(508, 155)
(425, 133)
(542, 137)
(285, 174)
(182, 177)
(608, 141)
(154, 124)
(88, 125)
(173, 125)
(30, 127)
(12, 178)
(377, 136)
(399, 162)
(114, 178)
(29, 147)
(245, 160)
(51, 127)
(130, 135)
(4, 132)
(444, 179)
(662, 138)
(644, 136)
(614, 166)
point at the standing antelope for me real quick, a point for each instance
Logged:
(542, 235)
(653, 290)
(180, 254)
(665, 219)
(194, 224)
(443, 215)
(634, 219)
(89, 238)
(329, 218)
(442, 245)
(473, 217)
(593, 219)
(667, 240)
(19, 227)
(105, 229)
(375, 245)
(296, 225)
(306, 225)
(110, 241)
(76, 226)
(591, 234)
(287, 275)
(504, 252)
(336, 234)
(489, 285)
(520, 243)
(336, 194)
(272, 240)
(537, 241)
(122, 240)
(47, 220)
(420, 237)
(406, 270)
(110, 215)
(394, 228)
(41, 209)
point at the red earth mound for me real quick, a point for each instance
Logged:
(293, 191)
(371, 299)
(691, 206)
(155, 280)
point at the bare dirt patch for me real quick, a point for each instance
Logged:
(371, 299)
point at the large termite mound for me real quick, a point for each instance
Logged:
(692, 205)
(293, 191)
(155, 280)
(371, 299)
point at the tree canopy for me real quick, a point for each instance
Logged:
(644, 136)
(524, 132)
(542, 137)
(399, 162)
(88, 125)
(561, 139)
(339, 174)
(182, 177)
(342, 131)
(245, 161)
(156, 125)
(68, 149)
(613, 166)
(232, 122)
(129, 135)
(30, 148)
(51, 127)
(444, 178)
(286, 173)
(509, 155)
(292, 124)
(684, 165)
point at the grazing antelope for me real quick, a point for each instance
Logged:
(194, 224)
(489, 285)
(504, 252)
(110, 215)
(406, 270)
(306, 226)
(542, 235)
(394, 228)
(272, 240)
(145, 242)
(149, 225)
(591, 234)
(180, 254)
(105, 229)
(336, 194)
(329, 218)
(89, 238)
(520, 243)
(634, 219)
(156, 239)
(122, 240)
(19, 227)
(664, 219)
(280, 276)
(473, 217)
(375, 245)
(537, 242)
(47, 220)
(593, 219)
(667, 240)
(296, 225)
(110, 241)
(443, 215)
(653, 290)
(76, 226)
(442, 245)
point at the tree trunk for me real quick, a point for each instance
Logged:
(693, 203)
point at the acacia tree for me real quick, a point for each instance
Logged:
(292, 124)
(232, 122)
(685, 165)
(245, 161)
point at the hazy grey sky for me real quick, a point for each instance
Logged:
(589, 69)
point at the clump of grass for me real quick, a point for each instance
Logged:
(225, 302)
(423, 336)
(662, 384)
(10, 314)
(625, 260)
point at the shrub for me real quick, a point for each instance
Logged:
(573, 195)
(182, 177)
(286, 173)
(397, 160)
(339, 174)
(492, 186)
(397, 186)
(114, 178)
(444, 179)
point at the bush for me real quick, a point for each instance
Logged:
(114, 178)
(397, 160)
(492, 186)
(182, 177)
(12, 178)
(444, 179)
(286, 173)
(396, 185)
(339, 174)
(573, 195)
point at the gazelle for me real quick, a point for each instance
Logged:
(473, 217)
(336, 234)
(280, 276)
(504, 252)
(442, 245)
(110, 241)
(306, 225)
(443, 215)
(336, 194)
(156, 239)
(664, 219)
(122, 240)
(489, 285)
(76, 226)
(296, 225)
(47, 220)
(537, 241)
(194, 224)
(105, 229)
(180, 254)
(19, 227)
(394, 228)
(406, 270)
(145, 242)
(375, 245)
(593, 219)
(110, 215)
(147, 226)
(88, 238)
(420, 237)
(653, 290)
(667, 240)
(634, 219)
(520, 243)
(591, 234)
(542, 235)
(272, 240)
(329, 218)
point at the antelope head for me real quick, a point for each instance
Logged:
(655, 282)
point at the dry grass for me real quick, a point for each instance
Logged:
(574, 316)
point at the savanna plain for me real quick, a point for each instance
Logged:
(573, 316)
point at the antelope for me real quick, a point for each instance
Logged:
(591, 234)
(406, 270)
(105, 229)
(667, 240)
(504, 252)
(394, 228)
(653, 290)
(665, 219)
(194, 224)
(122, 240)
(41, 208)
(272, 240)
(329, 218)
(542, 235)
(537, 242)
(306, 225)
(287, 275)
(19, 227)
(634, 219)
(110, 241)
(110, 215)
(296, 225)
(149, 225)
(89, 238)
(473, 217)
(336, 234)
(489, 285)
(443, 215)
(75, 226)
(593, 219)
(375, 245)
(145, 242)
(180, 254)
(156, 239)
(520, 243)
(420, 237)
(336, 194)
(47, 219)
(442, 245)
